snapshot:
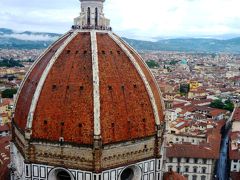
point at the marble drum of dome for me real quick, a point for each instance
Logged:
(89, 108)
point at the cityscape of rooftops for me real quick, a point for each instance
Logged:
(120, 90)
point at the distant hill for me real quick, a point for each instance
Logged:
(189, 45)
(37, 40)
(25, 40)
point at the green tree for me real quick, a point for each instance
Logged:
(152, 64)
(173, 62)
(8, 93)
(218, 103)
(10, 63)
(229, 105)
(184, 89)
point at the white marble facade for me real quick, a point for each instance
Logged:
(146, 170)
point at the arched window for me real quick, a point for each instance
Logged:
(178, 169)
(96, 16)
(186, 176)
(196, 161)
(194, 177)
(203, 177)
(127, 174)
(63, 175)
(89, 16)
(195, 169)
(130, 173)
(60, 174)
(170, 168)
(204, 170)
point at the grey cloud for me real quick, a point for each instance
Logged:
(31, 37)
(42, 15)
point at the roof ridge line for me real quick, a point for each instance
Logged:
(42, 80)
(96, 84)
(34, 65)
(151, 74)
(142, 75)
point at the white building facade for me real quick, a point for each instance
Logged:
(146, 170)
(192, 168)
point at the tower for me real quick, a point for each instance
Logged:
(92, 15)
(88, 109)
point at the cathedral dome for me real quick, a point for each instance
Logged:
(88, 107)
(89, 83)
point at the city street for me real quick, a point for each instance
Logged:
(222, 166)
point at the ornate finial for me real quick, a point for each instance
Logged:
(92, 16)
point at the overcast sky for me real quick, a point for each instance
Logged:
(140, 19)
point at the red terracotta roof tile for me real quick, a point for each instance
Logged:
(204, 150)
(173, 176)
(65, 107)
(28, 89)
(4, 157)
(217, 112)
(235, 175)
(4, 128)
(236, 116)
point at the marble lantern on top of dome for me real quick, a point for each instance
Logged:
(92, 16)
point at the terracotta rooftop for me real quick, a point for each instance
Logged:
(178, 104)
(234, 147)
(191, 151)
(4, 128)
(173, 176)
(234, 154)
(235, 135)
(66, 100)
(4, 158)
(203, 101)
(235, 175)
(216, 112)
(181, 124)
(236, 116)
(5, 102)
(208, 150)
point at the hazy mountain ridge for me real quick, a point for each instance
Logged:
(10, 31)
(38, 40)
(25, 40)
(189, 45)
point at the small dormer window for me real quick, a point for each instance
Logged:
(54, 87)
(61, 140)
